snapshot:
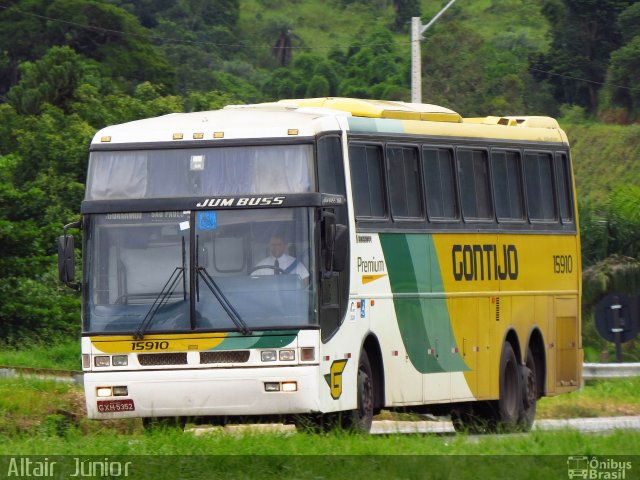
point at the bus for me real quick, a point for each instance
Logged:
(319, 260)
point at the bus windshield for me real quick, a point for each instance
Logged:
(210, 270)
(186, 172)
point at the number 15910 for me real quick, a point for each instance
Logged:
(562, 264)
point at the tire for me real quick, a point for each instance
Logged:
(360, 420)
(530, 392)
(509, 405)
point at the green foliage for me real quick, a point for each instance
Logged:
(61, 354)
(405, 9)
(624, 221)
(61, 80)
(622, 78)
(584, 33)
(52, 79)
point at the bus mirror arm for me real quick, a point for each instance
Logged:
(66, 257)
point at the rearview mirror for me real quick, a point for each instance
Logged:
(66, 259)
(340, 248)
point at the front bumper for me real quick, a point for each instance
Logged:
(206, 392)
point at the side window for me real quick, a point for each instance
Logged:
(367, 181)
(404, 182)
(439, 178)
(563, 175)
(538, 173)
(507, 185)
(475, 193)
(330, 165)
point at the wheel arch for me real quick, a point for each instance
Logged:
(535, 344)
(512, 337)
(371, 345)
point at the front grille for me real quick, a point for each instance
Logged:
(233, 356)
(153, 359)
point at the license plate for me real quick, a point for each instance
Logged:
(108, 406)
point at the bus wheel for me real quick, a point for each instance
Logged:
(510, 401)
(361, 418)
(529, 392)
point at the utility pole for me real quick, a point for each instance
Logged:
(417, 30)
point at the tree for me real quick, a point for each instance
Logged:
(281, 29)
(405, 9)
(455, 77)
(584, 33)
(52, 79)
(623, 75)
(318, 87)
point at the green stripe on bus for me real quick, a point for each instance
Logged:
(274, 339)
(424, 323)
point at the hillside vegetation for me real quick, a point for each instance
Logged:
(70, 67)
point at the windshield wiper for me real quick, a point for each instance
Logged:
(163, 296)
(222, 299)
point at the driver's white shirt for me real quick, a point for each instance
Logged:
(284, 262)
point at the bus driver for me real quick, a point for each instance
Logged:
(279, 262)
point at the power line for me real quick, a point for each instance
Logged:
(570, 77)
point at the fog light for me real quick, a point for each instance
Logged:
(271, 387)
(86, 360)
(308, 354)
(120, 360)
(102, 361)
(120, 391)
(268, 356)
(103, 391)
(289, 386)
(287, 355)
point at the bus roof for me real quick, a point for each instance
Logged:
(309, 117)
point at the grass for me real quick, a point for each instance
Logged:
(45, 418)
(173, 454)
(593, 142)
(599, 398)
(31, 408)
(64, 355)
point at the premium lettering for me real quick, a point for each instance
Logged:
(370, 266)
(484, 262)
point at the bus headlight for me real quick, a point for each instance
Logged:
(120, 360)
(289, 386)
(120, 391)
(102, 361)
(271, 386)
(287, 355)
(268, 355)
(103, 391)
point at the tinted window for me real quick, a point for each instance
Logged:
(330, 166)
(564, 188)
(507, 186)
(473, 171)
(404, 182)
(367, 180)
(539, 181)
(440, 183)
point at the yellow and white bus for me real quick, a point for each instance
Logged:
(305, 258)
